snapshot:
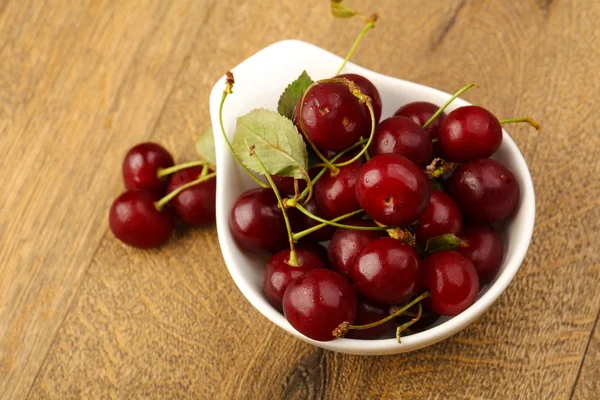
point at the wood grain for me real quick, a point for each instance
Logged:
(170, 323)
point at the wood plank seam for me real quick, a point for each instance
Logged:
(585, 351)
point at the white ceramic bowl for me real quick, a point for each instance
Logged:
(259, 81)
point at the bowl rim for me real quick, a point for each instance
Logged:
(380, 346)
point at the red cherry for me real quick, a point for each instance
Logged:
(346, 243)
(387, 270)
(317, 302)
(141, 165)
(485, 190)
(366, 87)
(135, 220)
(279, 273)
(392, 189)
(368, 312)
(484, 248)
(452, 280)
(468, 133)
(400, 135)
(332, 117)
(256, 222)
(195, 206)
(440, 217)
(335, 194)
(420, 112)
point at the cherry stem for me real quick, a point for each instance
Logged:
(329, 165)
(293, 261)
(438, 167)
(366, 146)
(344, 327)
(301, 234)
(442, 108)
(161, 203)
(528, 120)
(320, 174)
(229, 81)
(171, 170)
(324, 221)
(204, 170)
(404, 326)
(370, 25)
(404, 235)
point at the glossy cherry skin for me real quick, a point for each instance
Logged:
(367, 312)
(452, 280)
(441, 217)
(387, 270)
(335, 194)
(393, 190)
(279, 273)
(468, 133)
(135, 220)
(484, 248)
(366, 87)
(485, 190)
(318, 302)
(307, 222)
(256, 222)
(400, 135)
(195, 206)
(346, 243)
(141, 165)
(332, 117)
(420, 112)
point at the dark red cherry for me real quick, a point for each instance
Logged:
(485, 190)
(440, 217)
(335, 193)
(346, 243)
(285, 185)
(332, 117)
(317, 302)
(387, 270)
(256, 222)
(452, 280)
(420, 112)
(195, 206)
(400, 135)
(366, 87)
(307, 222)
(141, 165)
(484, 248)
(368, 312)
(279, 273)
(469, 133)
(392, 189)
(135, 220)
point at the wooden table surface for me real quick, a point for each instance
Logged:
(83, 316)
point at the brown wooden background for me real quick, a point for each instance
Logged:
(82, 316)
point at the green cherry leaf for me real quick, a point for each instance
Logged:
(292, 94)
(443, 242)
(277, 142)
(205, 147)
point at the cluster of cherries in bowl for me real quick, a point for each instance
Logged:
(400, 235)
(160, 193)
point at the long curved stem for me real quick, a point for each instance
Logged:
(442, 108)
(366, 146)
(227, 91)
(324, 221)
(301, 234)
(161, 203)
(370, 25)
(293, 261)
(528, 120)
(171, 170)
